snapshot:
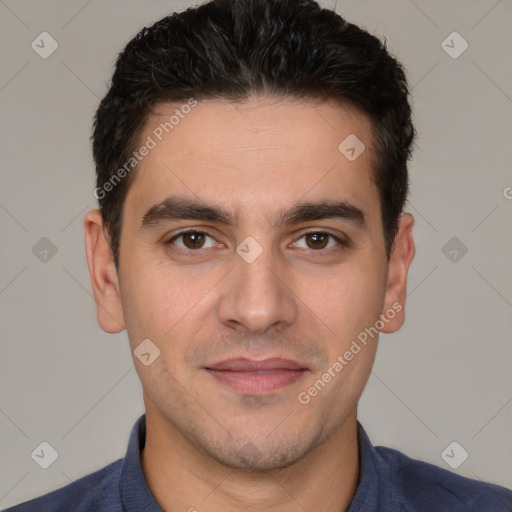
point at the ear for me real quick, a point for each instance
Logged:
(104, 279)
(400, 259)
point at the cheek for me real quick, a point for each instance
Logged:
(348, 301)
(350, 307)
(159, 302)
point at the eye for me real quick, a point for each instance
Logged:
(191, 240)
(320, 240)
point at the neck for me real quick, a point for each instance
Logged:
(183, 477)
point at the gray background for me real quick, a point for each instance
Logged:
(443, 377)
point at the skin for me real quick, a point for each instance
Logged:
(208, 446)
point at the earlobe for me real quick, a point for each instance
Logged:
(104, 278)
(400, 260)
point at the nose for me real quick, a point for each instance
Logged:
(257, 296)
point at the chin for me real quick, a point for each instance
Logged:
(262, 455)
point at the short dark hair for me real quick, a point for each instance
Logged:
(231, 49)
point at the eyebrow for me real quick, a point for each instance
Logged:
(174, 208)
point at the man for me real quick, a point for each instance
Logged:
(251, 161)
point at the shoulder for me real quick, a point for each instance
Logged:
(92, 492)
(420, 486)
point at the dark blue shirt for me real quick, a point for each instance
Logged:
(389, 482)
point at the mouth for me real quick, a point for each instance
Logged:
(257, 377)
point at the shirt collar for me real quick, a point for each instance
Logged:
(372, 492)
(135, 493)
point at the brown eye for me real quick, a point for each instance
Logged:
(317, 240)
(191, 241)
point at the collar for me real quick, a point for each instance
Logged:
(135, 493)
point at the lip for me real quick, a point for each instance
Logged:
(257, 377)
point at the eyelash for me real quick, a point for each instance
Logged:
(190, 252)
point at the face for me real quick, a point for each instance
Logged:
(252, 256)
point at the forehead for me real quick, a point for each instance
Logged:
(257, 155)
